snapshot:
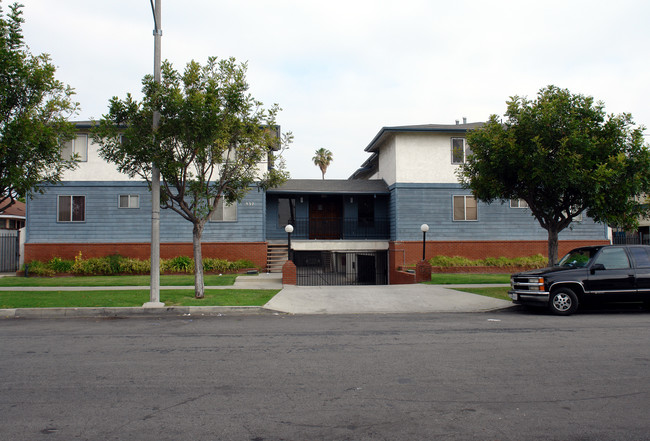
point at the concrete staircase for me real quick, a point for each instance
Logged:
(276, 255)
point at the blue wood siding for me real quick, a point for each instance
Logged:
(275, 231)
(106, 223)
(415, 204)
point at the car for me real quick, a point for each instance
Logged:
(609, 273)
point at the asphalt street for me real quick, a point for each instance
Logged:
(503, 375)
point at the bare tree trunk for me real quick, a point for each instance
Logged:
(199, 289)
(552, 246)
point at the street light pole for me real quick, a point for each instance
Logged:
(289, 230)
(424, 228)
(154, 293)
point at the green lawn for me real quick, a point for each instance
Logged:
(143, 280)
(81, 299)
(457, 279)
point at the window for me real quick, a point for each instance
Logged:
(224, 212)
(641, 257)
(465, 208)
(78, 146)
(286, 211)
(366, 211)
(518, 203)
(613, 258)
(128, 201)
(459, 150)
(71, 209)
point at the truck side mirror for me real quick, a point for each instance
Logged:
(597, 267)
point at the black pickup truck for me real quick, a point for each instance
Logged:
(609, 273)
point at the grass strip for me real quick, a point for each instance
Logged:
(100, 299)
(465, 278)
(140, 280)
(495, 292)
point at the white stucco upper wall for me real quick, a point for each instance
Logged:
(95, 168)
(417, 158)
(387, 162)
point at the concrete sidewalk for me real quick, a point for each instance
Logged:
(399, 299)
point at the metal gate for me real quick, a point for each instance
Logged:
(9, 250)
(321, 268)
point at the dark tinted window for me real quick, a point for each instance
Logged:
(641, 257)
(286, 211)
(613, 258)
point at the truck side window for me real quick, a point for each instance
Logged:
(613, 258)
(641, 257)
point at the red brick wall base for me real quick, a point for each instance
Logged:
(289, 275)
(422, 272)
(253, 251)
(407, 254)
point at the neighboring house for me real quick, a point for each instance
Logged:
(355, 231)
(13, 217)
(12, 237)
(642, 233)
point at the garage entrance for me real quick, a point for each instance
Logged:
(324, 268)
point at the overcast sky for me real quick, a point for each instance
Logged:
(342, 70)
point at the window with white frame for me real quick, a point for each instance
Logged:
(128, 201)
(224, 212)
(459, 150)
(465, 208)
(518, 203)
(76, 146)
(71, 209)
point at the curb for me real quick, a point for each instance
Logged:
(166, 311)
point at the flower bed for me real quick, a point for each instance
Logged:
(119, 265)
(479, 269)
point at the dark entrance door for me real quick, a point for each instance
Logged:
(366, 272)
(325, 217)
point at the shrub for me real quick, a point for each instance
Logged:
(243, 263)
(92, 266)
(135, 266)
(215, 265)
(179, 264)
(115, 263)
(39, 269)
(445, 261)
(536, 261)
(58, 265)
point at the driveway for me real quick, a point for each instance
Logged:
(379, 299)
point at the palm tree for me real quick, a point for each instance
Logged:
(322, 159)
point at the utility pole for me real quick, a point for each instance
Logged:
(154, 294)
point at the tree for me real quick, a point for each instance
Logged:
(322, 159)
(564, 156)
(34, 108)
(211, 141)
